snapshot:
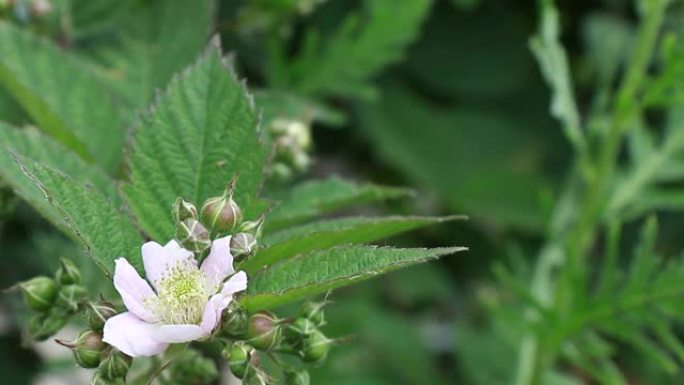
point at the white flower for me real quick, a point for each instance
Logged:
(184, 302)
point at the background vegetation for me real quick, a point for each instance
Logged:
(558, 133)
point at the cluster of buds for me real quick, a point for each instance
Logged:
(23, 10)
(264, 332)
(91, 352)
(218, 216)
(292, 142)
(53, 300)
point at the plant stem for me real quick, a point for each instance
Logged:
(570, 239)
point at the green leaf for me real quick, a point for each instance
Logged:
(377, 38)
(62, 95)
(32, 144)
(106, 232)
(201, 132)
(320, 271)
(314, 198)
(319, 235)
(553, 61)
(153, 41)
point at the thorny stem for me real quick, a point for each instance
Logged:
(570, 242)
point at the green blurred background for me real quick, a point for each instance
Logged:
(462, 116)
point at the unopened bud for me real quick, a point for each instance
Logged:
(296, 332)
(193, 235)
(68, 273)
(241, 357)
(44, 326)
(87, 348)
(299, 377)
(183, 210)
(40, 293)
(314, 312)
(222, 214)
(315, 347)
(99, 313)
(235, 320)
(264, 331)
(115, 365)
(71, 297)
(242, 245)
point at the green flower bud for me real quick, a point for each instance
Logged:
(222, 214)
(87, 348)
(99, 313)
(115, 364)
(39, 293)
(300, 377)
(44, 326)
(241, 357)
(315, 347)
(183, 210)
(242, 245)
(68, 273)
(193, 235)
(71, 297)
(263, 331)
(193, 368)
(235, 320)
(314, 312)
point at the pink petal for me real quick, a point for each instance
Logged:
(218, 302)
(134, 290)
(175, 334)
(218, 265)
(157, 258)
(236, 283)
(212, 312)
(132, 335)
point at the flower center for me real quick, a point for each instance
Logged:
(181, 296)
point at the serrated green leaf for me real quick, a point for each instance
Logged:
(319, 235)
(314, 198)
(91, 218)
(377, 38)
(32, 144)
(201, 132)
(62, 95)
(324, 270)
(153, 41)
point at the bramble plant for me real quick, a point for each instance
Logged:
(218, 255)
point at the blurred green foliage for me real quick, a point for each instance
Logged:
(444, 96)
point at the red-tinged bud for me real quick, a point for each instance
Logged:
(264, 331)
(242, 245)
(87, 348)
(193, 235)
(99, 313)
(221, 214)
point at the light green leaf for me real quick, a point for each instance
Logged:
(376, 38)
(314, 198)
(553, 61)
(201, 132)
(317, 272)
(319, 235)
(32, 144)
(91, 218)
(62, 95)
